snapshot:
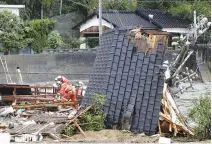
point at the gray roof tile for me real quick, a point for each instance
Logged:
(164, 20)
(126, 18)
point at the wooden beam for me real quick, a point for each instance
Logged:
(80, 129)
(80, 113)
(41, 105)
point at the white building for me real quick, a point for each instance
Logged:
(13, 8)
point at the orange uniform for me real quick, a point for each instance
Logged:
(67, 92)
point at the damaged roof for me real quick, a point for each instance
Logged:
(140, 17)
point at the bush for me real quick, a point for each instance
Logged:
(92, 120)
(71, 43)
(93, 42)
(54, 40)
(201, 115)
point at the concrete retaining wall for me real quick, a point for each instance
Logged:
(75, 65)
(42, 68)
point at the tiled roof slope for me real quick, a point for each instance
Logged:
(132, 82)
(163, 19)
(126, 18)
(121, 18)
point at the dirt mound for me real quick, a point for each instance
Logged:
(114, 136)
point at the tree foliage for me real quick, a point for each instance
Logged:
(39, 31)
(72, 43)
(201, 115)
(179, 8)
(51, 7)
(13, 32)
(186, 8)
(54, 40)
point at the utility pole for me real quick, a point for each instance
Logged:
(61, 5)
(100, 20)
(41, 10)
(195, 25)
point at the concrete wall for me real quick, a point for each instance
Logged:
(75, 65)
(42, 68)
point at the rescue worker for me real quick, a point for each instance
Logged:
(57, 85)
(67, 92)
(62, 79)
(81, 88)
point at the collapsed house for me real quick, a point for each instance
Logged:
(129, 72)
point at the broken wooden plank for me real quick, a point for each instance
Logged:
(80, 113)
(54, 136)
(45, 126)
(160, 132)
(80, 129)
(182, 127)
(41, 105)
(26, 98)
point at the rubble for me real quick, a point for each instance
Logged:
(28, 118)
(35, 119)
(173, 117)
(5, 111)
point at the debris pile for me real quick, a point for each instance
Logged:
(38, 113)
(31, 118)
(171, 120)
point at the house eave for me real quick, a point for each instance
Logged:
(12, 6)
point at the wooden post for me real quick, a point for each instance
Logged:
(14, 93)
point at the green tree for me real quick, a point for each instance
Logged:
(156, 4)
(12, 32)
(186, 8)
(201, 115)
(54, 40)
(179, 8)
(120, 5)
(3, 2)
(39, 31)
(88, 6)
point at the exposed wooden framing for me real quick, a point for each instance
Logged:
(27, 98)
(42, 105)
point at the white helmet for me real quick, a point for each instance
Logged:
(81, 83)
(58, 78)
(57, 84)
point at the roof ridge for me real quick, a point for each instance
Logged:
(163, 12)
(147, 9)
(115, 11)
